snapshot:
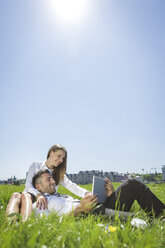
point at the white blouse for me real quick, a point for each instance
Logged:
(68, 184)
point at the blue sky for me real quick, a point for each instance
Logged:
(94, 84)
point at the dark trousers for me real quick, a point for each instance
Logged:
(129, 191)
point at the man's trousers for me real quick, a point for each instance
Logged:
(125, 195)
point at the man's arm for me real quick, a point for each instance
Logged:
(109, 187)
(86, 205)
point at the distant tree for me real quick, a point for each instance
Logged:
(148, 177)
(159, 177)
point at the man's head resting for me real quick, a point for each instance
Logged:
(44, 182)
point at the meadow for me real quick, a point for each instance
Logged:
(91, 231)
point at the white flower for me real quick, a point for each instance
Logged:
(59, 237)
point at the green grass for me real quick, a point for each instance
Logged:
(53, 231)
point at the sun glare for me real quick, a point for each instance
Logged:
(69, 11)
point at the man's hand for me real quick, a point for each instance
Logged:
(41, 201)
(109, 187)
(87, 204)
(88, 193)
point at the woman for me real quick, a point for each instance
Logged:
(56, 163)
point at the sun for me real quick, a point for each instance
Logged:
(70, 11)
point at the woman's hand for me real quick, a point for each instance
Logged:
(109, 187)
(41, 201)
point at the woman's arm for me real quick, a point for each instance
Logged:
(41, 200)
(33, 169)
(73, 187)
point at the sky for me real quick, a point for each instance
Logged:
(88, 75)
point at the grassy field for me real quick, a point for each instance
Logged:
(53, 231)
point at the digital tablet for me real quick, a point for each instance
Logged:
(98, 188)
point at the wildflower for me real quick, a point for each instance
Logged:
(112, 228)
(109, 229)
(78, 238)
(59, 238)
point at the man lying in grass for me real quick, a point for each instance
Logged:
(122, 198)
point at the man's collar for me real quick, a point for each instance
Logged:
(47, 194)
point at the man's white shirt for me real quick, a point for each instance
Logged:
(61, 204)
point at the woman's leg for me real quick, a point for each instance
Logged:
(13, 205)
(129, 191)
(26, 206)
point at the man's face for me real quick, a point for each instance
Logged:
(46, 184)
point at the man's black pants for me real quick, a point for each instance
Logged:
(129, 191)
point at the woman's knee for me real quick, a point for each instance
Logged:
(14, 203)
(16, 195)
(26, 197)
(26, 205)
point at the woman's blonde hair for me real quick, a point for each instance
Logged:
(59, 171)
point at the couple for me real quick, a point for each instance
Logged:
(44, 178)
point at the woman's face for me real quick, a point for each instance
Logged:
(57, 157)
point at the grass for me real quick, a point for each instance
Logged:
(53, 231)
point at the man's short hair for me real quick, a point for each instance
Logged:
(38, 175)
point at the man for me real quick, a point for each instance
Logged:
(62, 204)
(121, 199)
